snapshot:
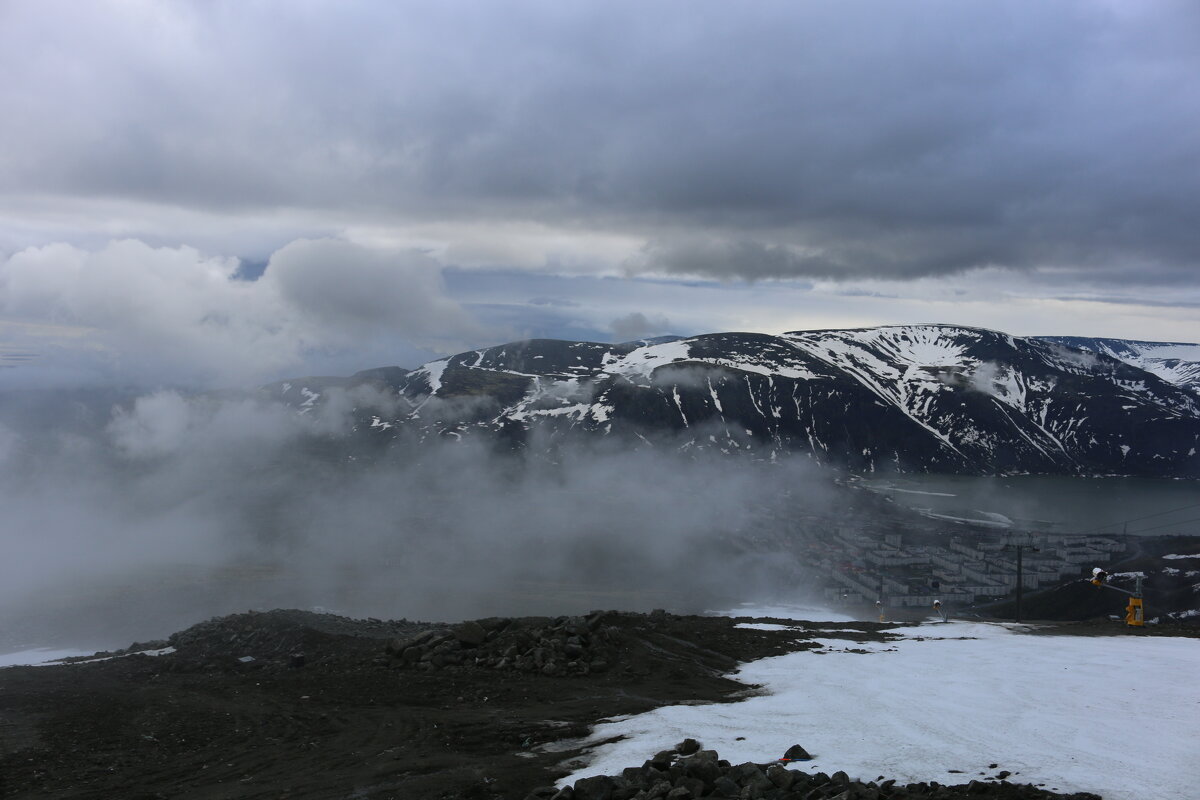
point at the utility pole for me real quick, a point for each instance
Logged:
(1020, 548)
(1020, 580)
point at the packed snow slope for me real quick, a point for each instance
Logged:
(901, 398)
(1118, 716)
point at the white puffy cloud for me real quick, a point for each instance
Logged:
(175, 314)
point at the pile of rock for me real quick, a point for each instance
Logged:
(690, 773)
(562, 646)
(281, 634)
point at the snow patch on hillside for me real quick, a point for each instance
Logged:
(1062, 711)
(434, 372)
(637, 365)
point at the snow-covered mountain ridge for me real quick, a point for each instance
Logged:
(1174, 362)
(910, 397)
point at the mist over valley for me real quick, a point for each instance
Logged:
(555, 477)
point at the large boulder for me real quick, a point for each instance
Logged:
(470, 634)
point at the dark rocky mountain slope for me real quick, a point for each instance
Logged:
(900, 398)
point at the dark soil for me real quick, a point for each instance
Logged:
(320, 709)
(289, 704)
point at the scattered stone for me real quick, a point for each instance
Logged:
(724, 787)
(598, 787)
(702, 775)
(796, 753)
(751, 776)
(782, 777)
(688, 787)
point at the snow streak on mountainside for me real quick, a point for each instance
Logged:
(908, 398)
(1174, 362)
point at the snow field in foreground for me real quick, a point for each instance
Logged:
(1115, 715)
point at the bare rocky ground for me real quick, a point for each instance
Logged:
(290, 704)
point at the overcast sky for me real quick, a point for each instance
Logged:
(227, 192)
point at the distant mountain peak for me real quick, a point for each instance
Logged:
(935, 397)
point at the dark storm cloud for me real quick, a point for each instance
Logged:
(823, 140)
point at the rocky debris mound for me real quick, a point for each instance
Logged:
(279, 635)
(690, 773)
(561, 646)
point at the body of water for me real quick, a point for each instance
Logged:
(1152, 507)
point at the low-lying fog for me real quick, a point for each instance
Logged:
(134, 520)
(129, 517)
